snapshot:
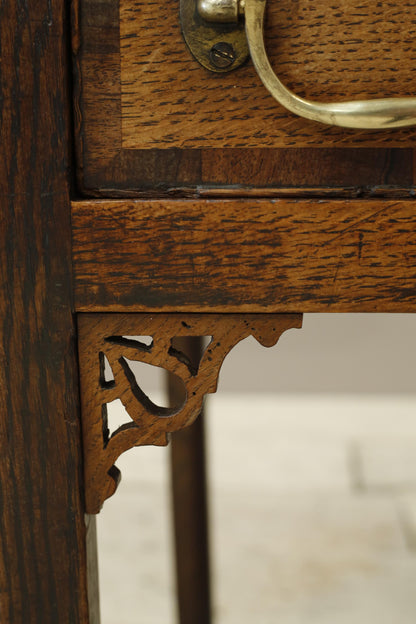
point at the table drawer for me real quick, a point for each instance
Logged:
(151, 120)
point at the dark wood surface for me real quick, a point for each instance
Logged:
(245, 255)
(43, 541)
(138, 137)
(190, 504)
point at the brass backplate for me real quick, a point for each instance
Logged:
(218, 47)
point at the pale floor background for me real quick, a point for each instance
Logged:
(312, 465)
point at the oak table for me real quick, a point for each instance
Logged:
(143, 195)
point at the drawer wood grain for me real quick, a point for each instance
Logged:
(151, 121)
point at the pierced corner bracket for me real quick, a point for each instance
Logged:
(110, 339)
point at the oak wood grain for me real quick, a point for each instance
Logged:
(316, 170)
(106, 168)
(245, 255)
(328, 51)
(43, 542)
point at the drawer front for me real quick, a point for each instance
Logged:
(150, 119)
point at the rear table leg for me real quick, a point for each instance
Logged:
(190, 506)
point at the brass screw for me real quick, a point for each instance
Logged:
(222, 55)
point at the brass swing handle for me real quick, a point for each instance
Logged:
(379, 114)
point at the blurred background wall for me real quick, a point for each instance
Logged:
(331, 353)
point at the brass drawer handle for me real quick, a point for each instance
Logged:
(377, 114)
(214, 32)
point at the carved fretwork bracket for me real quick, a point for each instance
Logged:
(108, 337)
